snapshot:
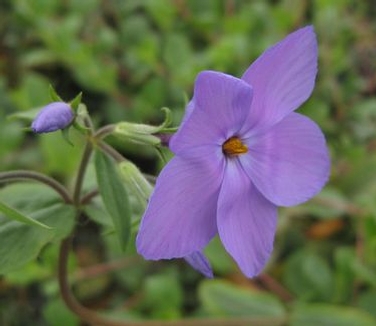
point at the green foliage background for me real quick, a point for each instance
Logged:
(130, 58)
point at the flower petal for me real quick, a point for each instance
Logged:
(246, 220)
(217, 111)
(180, 217)
(200, 263)
(282, 78)
(290, 163)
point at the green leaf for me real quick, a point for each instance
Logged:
(162, 12)
(57, 314)
(344, 277)
(18, 216)
(308, 276)
(364, 272)
(97, 212)
(367, 302)
(31, 92)
(164, 295)
(60, 157)
(330, 315)
(20, 243)
(114, 196)
(220, 260)
(28, 197)
(224, 299)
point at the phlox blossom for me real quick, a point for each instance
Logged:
(240, 152)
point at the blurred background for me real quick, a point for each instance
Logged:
(130, 58)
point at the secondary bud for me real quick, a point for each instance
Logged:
(136, 181)
(137, 133)
(141, 133)
(54, 116)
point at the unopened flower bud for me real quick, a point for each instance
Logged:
(141, 133)
(137, 133)
(136, 181)
(54, 116)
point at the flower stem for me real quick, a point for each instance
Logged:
(81, 172)
(104, 131)
(109, 150)
(272, 285)
(31, 175)
(85, 199)
(95, 318)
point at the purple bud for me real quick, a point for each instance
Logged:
(52, 117)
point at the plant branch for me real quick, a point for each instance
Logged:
(95, 318)
(104, 131)
(81, 172)
(85, 199)
(109, 150)
(11, 176)
(272, 285)
(103, 268)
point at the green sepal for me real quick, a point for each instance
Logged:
(26, 116)
(114, 196)
(167, 121)
(170, 130)
(75, 103)
(65, 134)
(53, 94)
(161, 154)
(81, 113)
(16, 215)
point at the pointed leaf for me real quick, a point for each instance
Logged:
(224, 299)
(18, 216)
(308, 276)
(114, 196)
(330, 315)
(20, 243)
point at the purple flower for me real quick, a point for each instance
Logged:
(240, 152)
(54, 116)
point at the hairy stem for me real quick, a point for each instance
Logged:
(86, 199)
(272, 285)
(95, 318)
(81, 172)
(104, 131)
(109, 150)
(18, 175)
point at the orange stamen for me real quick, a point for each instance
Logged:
(234, 146)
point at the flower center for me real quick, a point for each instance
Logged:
(234, 146)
